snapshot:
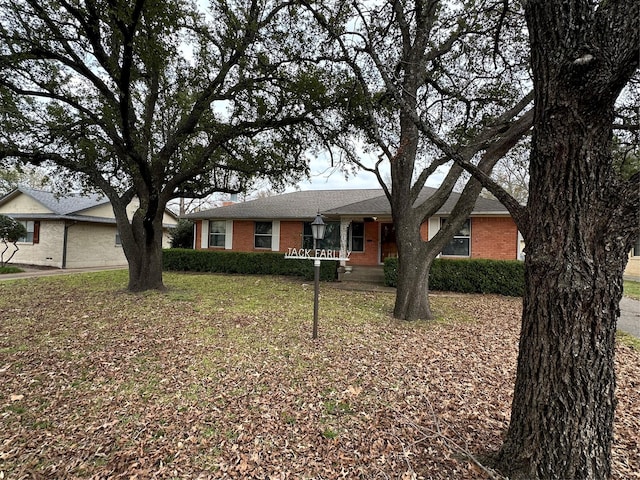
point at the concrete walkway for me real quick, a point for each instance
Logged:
(629, 321)
(31, 272)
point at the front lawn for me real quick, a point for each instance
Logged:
(219, 378)
(632, 289)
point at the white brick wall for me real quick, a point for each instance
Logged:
(93, 245)
(48, 252)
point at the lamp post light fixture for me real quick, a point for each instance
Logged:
(317, 230)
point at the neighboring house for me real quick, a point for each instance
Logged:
(73, 231)
(358, 221)
(633, 266)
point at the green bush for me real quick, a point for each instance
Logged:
(187, 260)
(10, 269)
(503, 277)
(181, 236)
(391, 272)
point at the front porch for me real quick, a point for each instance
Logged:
(365, 274)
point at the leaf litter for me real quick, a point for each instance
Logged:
(219, 378)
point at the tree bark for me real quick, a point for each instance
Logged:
(145, 269)
(578, 236)
(564, 401)
(412, 289)
(142, 244)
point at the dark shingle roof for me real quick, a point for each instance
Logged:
(304, 205)
(294, 205)
(379, 206)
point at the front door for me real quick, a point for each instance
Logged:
(388, 246)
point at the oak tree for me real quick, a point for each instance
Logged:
(158, 99)
(580, 221)
(428, 84)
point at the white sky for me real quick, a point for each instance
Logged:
(323, 177)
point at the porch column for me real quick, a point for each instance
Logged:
(344, 229)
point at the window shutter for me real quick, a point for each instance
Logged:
(36, 231)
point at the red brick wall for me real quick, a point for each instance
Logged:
(491, 237)
(424, 231)
(371, 254)
(290, 235)
(243, 231)
(198, 235)
(494, 238)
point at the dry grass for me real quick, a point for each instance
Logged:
(219, 378)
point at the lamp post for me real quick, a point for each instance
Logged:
(317, 230)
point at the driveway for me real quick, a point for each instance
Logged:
(31, 272)
(629, 321)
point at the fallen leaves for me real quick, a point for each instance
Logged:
(102, 384)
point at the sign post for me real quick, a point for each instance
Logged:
(317, 230)
(317, 255)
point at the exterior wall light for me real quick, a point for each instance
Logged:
(317, 228)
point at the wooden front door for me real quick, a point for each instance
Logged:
(388, 246)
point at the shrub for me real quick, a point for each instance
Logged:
(503, 277)
(267, 263)
(391, 272)
(10, 269)
(181, 236)
(10, 232)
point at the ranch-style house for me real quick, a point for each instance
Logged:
(358, 221)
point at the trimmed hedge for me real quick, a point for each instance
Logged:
(502, 277)
(267, 263)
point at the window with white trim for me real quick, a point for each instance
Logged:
(263, 233)
(217, 233)
(460, 244)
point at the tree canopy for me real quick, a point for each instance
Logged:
(159, 100)
(429, 84)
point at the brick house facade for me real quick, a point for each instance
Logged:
(358, 221)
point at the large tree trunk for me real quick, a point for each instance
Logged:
(412, 290)
(145, 269)
(142, 244)
(577, 239)
(562, 413)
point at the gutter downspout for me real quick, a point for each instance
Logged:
(64, 242)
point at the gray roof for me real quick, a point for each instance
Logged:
(70, 207)
(380, 206)
(69, 204)
(305, 205)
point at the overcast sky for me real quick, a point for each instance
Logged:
(323, 177)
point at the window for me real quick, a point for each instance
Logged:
(118, 239)
(460, 245)
(331, 240)
(356, 237)
(262, 235)
(635, 251)
(33, 231)
(217, 232)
